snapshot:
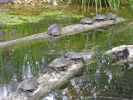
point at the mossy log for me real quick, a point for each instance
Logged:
(68, 30)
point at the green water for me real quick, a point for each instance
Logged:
(12, 58)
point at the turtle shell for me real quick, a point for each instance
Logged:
(54, 30)
(100, 17)
(85, 56)
(73, 55)
(111, 16)
(28, 85)
(59, 62)
(86, 20)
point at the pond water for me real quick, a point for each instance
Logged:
(106, 81)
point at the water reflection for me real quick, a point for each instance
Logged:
(98, 75)
(87, 39)
(3, 92)
(104, 78)
(43, 65)
(12, 85)
(57, 95)
(51, 96)
(28, 71)
(110, 76)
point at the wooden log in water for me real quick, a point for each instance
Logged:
(51, 80)
(120, 49)
(55, 80)
(66, 31)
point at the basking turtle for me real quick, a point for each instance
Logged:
(87, 20)
(100, 17)
(73, 56)
(28, 85)
(121, 55)
(60, 64)
(76, 56)
(54, 30)
(111, 16)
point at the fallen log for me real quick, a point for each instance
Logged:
(48, 82)
(53, 83)
(51, 80)
(120, 57)
(121, 48)
(66, 31)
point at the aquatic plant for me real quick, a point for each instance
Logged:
(130, 3)
(86, 4)
(114, 78)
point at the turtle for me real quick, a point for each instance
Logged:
(28, 85)
(100, 17)
(59, 64)
(76, 56)
(73, 56)
(87, 20)
(111, 16)
(121, 55)
(54, 30)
